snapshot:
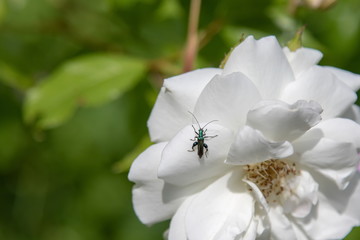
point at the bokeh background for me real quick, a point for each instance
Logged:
(78, 79)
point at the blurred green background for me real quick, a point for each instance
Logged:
(78, 79)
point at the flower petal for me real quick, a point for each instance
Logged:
(250, 146)
(300, 233)
(327, 221)
(173, 192)
(147, 162)
(349, 78)
(333, 159)
(280, 121)
(227, 99)
(264, 63)
(259, 228)
(319, 85)
(180, 167)
(227, 213)
(353, 113)
(338, 159)
(177, 96)
(340, 129)
(304, 196)
(280, 225)
(352, 195)
(259, 196)
(302, 59)
(263, 227)
(251, 232)
(147, 192)
(177, 229)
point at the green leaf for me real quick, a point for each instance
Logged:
(10, 76)
(354, 234)
(169, 9)
(89, 80)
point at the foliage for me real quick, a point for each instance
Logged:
(78, 79)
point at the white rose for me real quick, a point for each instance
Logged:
(282, 163)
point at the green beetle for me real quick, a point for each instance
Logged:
(200, 138)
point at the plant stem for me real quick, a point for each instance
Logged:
(192, 38)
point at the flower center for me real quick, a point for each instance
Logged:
(271, 177)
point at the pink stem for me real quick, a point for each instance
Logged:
(192, 38)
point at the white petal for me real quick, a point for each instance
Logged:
(335, 160)
(328, 222)
(343, 136)
(353, 113)
(264, 63)
(171, 192)
(259, 228)
(343, 200)
(177, 96)
(148, 204)
(251, 232)
(222, 211)
(144, 167)
(352, 195)
(250, 146)
(177, 229)
(147, 192)
(180, 167)
(227, 99)
(349, 78)
(302, 59)
(263, 227)
(299, 232)
(280, 121)
(280, 225)
(319, 85)
(258, 195)
(304, 196)
(339, 129)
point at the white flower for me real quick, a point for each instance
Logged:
(283, 164)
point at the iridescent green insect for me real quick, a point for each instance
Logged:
(200, 138)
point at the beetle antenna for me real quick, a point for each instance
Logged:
(209, 123)
(195, 118)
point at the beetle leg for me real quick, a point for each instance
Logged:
(194, 145)
(210, 136)
(206, 149)
(193, 139)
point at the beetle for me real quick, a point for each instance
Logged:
(199, 139)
